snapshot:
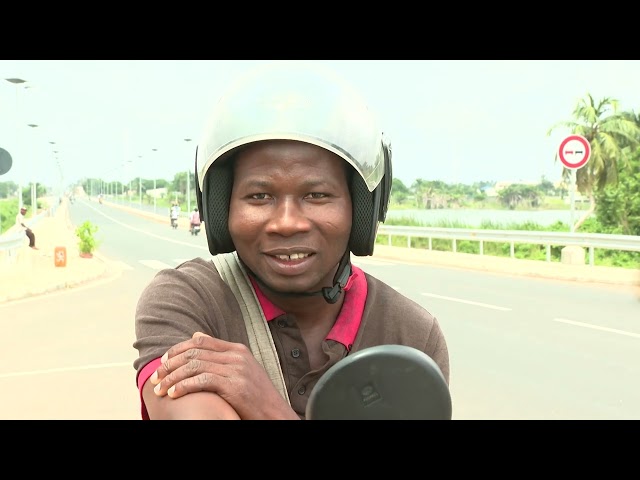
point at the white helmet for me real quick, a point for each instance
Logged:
(294, 101)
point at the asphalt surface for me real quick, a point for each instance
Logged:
(36, 272)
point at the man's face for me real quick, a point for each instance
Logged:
(290, 213)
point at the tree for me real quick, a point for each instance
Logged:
(8, 189)
(399, 191)
(619, 205)
(516, 194)
(179, 183)
(611, 135)
(546, 186)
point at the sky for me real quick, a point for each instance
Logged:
(458, 121)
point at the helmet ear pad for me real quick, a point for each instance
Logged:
(364, 223)
(214, 207)
(369, 208)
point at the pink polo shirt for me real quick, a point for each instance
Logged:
(344, 330)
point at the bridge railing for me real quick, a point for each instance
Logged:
(13, 239)
(589, 241)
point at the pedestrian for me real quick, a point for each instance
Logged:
(293, 176)
(21, 225)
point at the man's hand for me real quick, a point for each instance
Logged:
(204, 363)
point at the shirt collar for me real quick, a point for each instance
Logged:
(348, 322)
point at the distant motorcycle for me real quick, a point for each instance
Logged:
(195, 229)
(174, 223)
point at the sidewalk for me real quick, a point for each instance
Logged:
(33, 272)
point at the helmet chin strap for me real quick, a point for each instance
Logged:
(330, 294)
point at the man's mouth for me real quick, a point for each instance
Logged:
(293, 256)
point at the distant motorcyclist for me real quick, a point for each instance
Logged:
(174, 213)
(194, 219)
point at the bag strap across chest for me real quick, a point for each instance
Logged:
(260, 341)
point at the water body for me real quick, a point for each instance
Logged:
(475, 217)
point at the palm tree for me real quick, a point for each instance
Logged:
(611, 135)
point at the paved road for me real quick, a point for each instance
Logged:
(521, 347)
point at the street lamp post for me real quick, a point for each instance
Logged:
(55, 158)
(34, 187)
(16, 82)
(129, 191)
(155, 193)
(140, 183)
(188, 182)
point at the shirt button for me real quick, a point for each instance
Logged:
(295, 353)
(282, 323)
(301, 390)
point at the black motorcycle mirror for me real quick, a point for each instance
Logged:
(386, 382)
(5, 161)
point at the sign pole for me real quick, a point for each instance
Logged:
(574, 153)
(573, 199)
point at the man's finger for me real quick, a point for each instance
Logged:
(200, 334)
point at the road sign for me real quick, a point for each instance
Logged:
(574, 152)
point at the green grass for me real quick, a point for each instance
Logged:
(8, 212)
(612, 258)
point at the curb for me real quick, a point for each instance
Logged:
(66, 285)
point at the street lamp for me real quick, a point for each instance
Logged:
(140, 182)
(188, 189)
(16, 82)
(155, 193)
(129, 191)
(34, 188)
(55, 158)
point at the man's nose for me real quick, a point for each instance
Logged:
(290, 216)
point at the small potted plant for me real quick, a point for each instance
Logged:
(88, 242)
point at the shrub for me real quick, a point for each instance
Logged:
(85, 233)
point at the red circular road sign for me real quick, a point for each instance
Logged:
(574, 151)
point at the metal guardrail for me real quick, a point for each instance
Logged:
(590, 241)
(13, 239)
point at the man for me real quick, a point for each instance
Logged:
(194, 219)
(20, 224)
(294, 176)
(174, 213)
(194, 222)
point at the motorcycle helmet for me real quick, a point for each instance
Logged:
(294, 101)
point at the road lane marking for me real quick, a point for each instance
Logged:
(130, 227)
(597, 327)
(66, 369)
(468, 302)
(122, 265)
(155, 264)
(371, 261)
(180, 261)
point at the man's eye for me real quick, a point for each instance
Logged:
(318, 195)
(259, 196)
